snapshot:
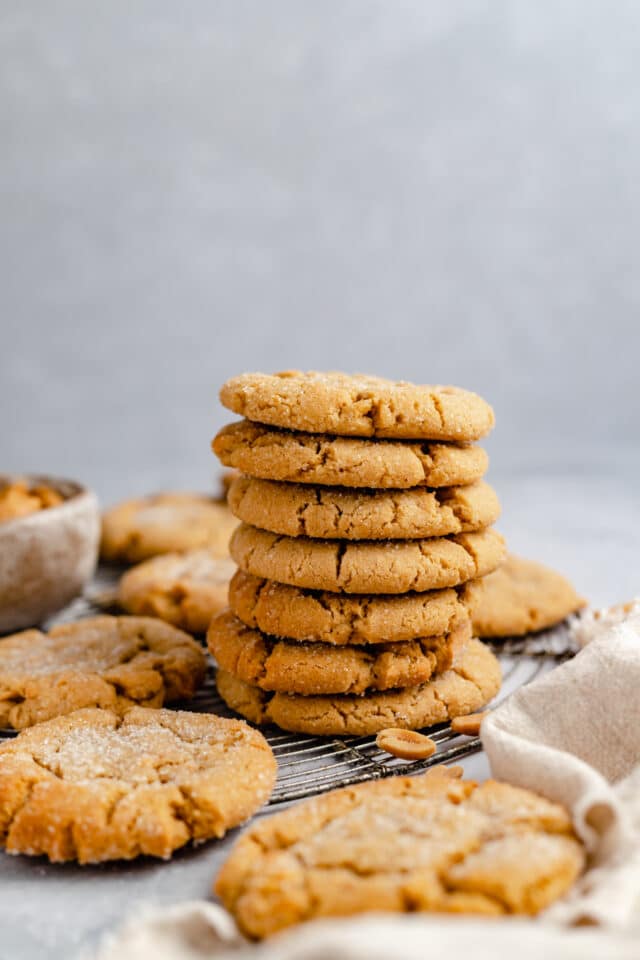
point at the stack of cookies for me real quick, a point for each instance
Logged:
(363, 512)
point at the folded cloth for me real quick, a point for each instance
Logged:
(197, 930)
(572, 735)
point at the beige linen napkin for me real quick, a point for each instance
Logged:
(574, 736)
(198, 931)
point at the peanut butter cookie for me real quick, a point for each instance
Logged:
(274, 454)
(165, 523)
(285, 666)
(519, 597)
(473, 680)
(317, 615)
(394, 566)
(358, 406)
(302, 510)
(111, 662)
(402, 845)
(94, 786)
(185, 589)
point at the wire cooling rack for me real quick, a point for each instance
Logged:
(311, 765)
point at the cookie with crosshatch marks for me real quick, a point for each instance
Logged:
(286, 666)
(319, 615)
(111, 662)
(358, 405)
(275, 454)
(303, 510)
(93, 786)
(387, 566)
(472, 681)
(185, 589)
(135, 530)
(403, 845)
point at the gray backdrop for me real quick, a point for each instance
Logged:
(438, 191)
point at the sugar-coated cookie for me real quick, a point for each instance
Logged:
(402, 845)
(472, 681)
(185, 589)
(303, 510)
(111, 662)
(389, 566)
(519, 597)
(135, 530)
(94, 786)
(358, 405)
(288, 666)
(319, 615)
(275, 454)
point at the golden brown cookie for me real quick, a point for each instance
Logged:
(358, 406)
(274, 454)
(519, 597)
(472, 681)
(394, 566)
(316, 615)
(302, 510)
(94, 786)
(402, 845)
(286, 666)
(185, 589)
(110, 662)
(165, 523)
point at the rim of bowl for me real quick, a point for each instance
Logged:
(70, 490)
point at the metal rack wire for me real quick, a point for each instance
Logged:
(309, 765)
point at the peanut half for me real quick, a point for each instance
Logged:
(469, 726)
(406, 744)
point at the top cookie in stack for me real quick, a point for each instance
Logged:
(362, 505)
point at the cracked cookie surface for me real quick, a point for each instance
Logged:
(135, 530)
(405, 844)
(472, 681)
(185, 589)
(94, 786)
(303, 510)
(274, 454)
(284, 666)
(318, 615)
(520, 597)
(110, 662)
(394, 566)
(358, 405)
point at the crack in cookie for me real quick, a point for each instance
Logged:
(357, 405)
(275, 454)
(406, 844)
(110, 662)
(367, 566)
(93, 786)
(285, 666)
(471, 682)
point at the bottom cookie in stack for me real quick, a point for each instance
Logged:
(324, 689)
